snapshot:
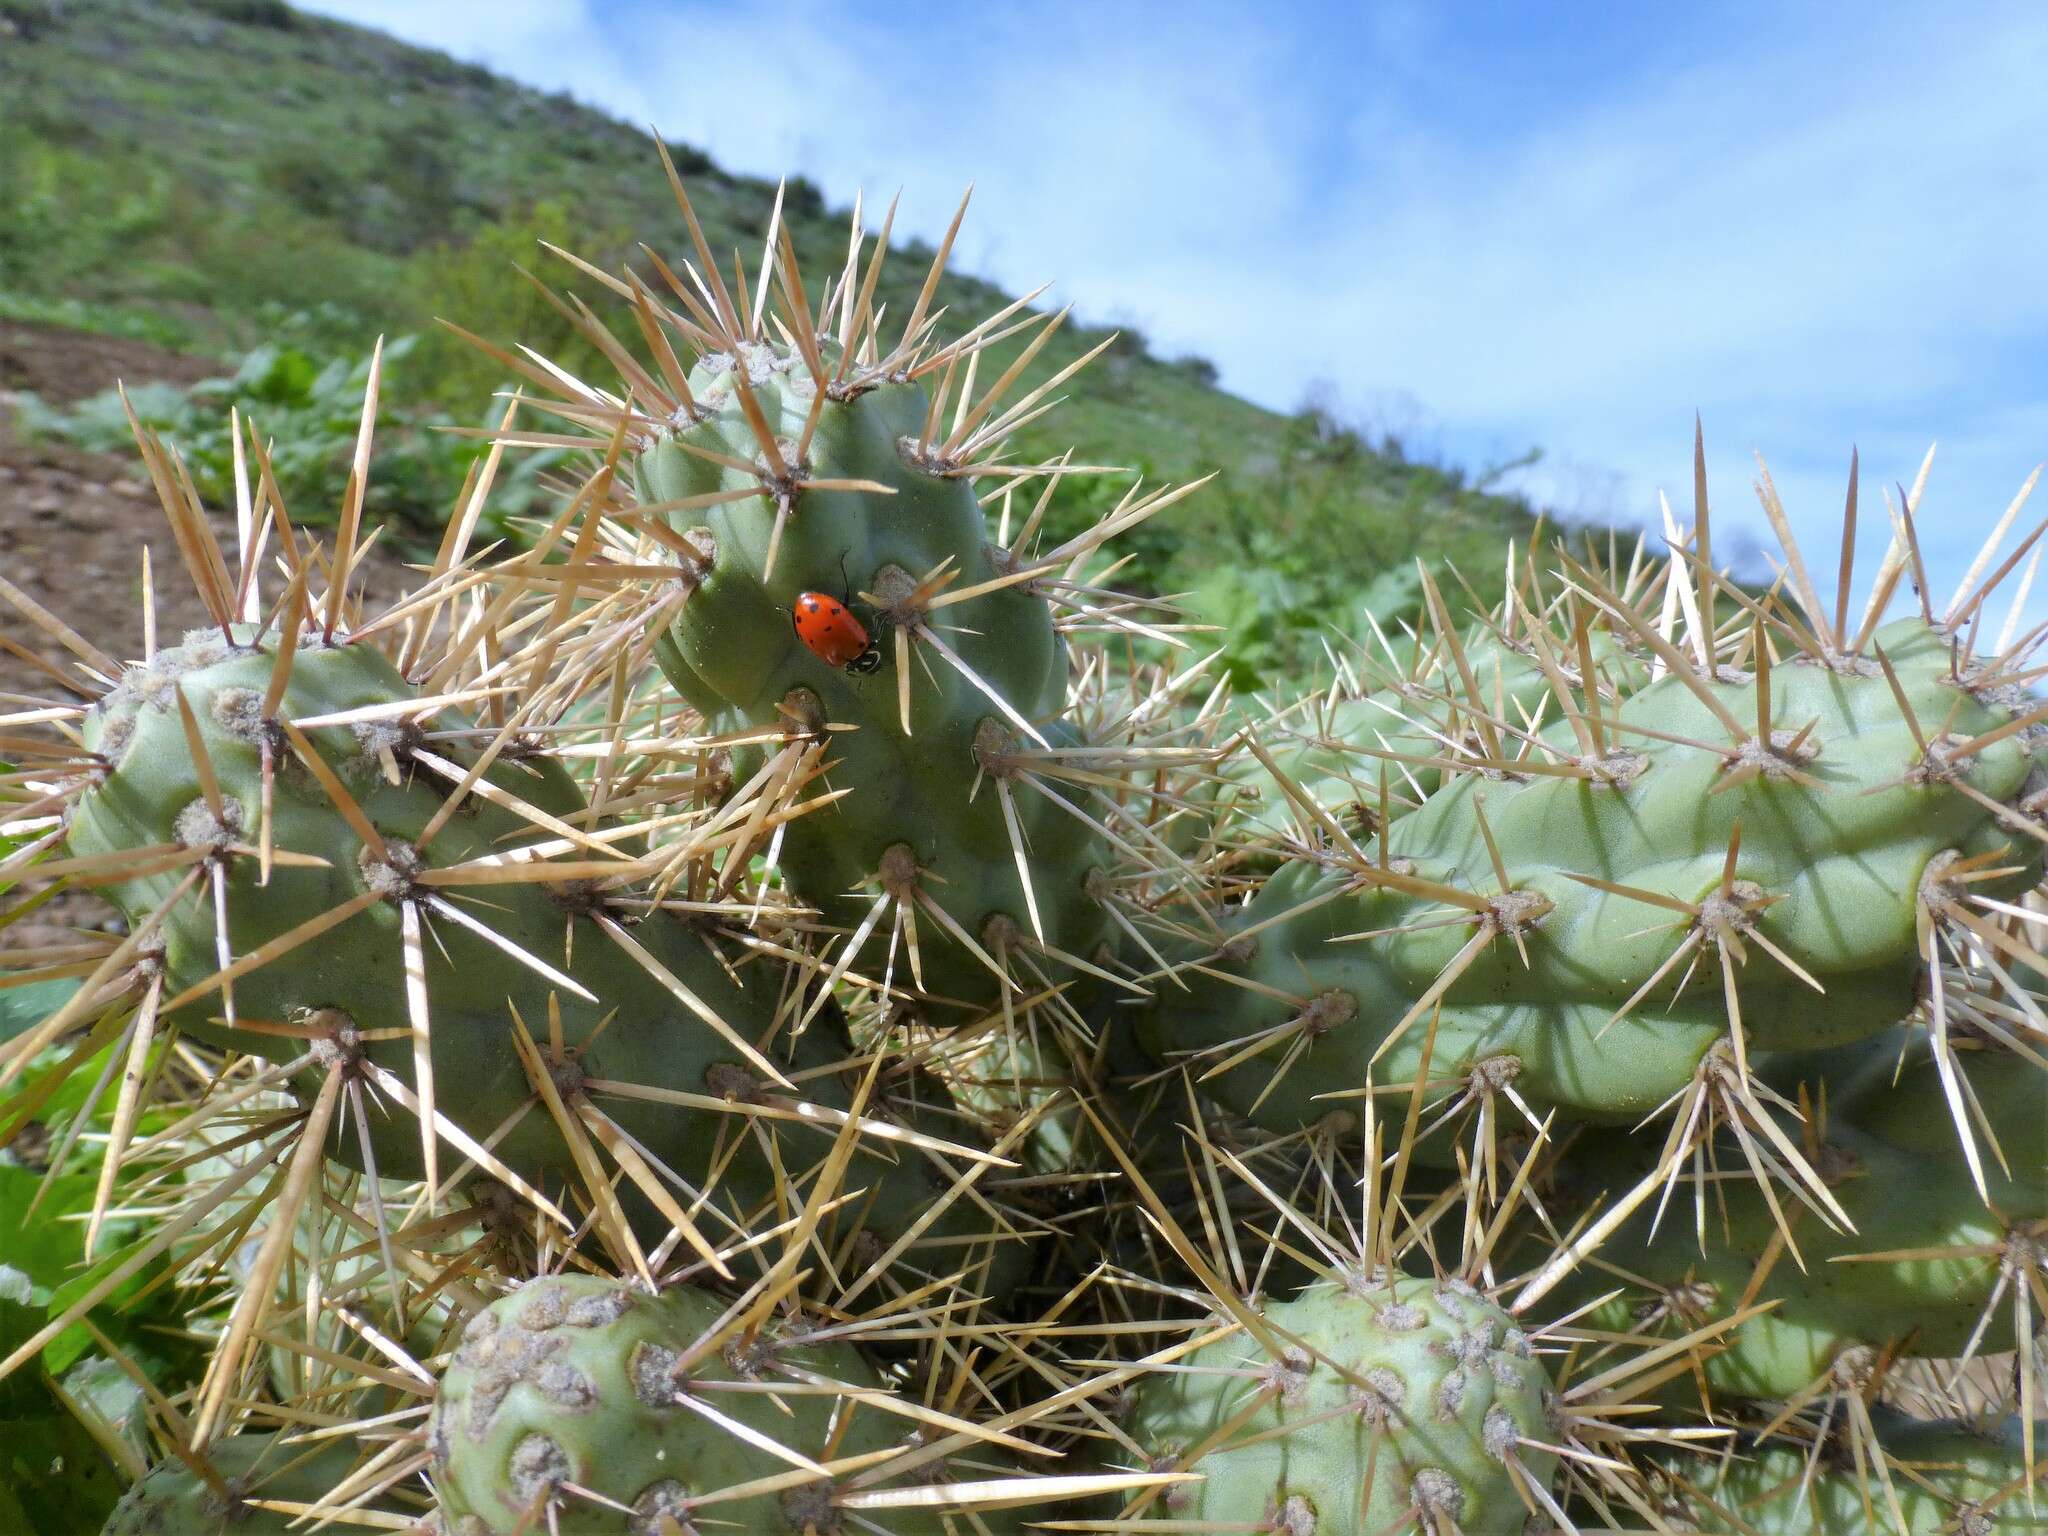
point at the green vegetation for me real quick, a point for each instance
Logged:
(308, 406)
(221, 176)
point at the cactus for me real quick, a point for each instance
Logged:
(201, 765)
(1705, 891)
(904, 515)
(1922, 1270)
(246, 1485)
(327, 867)
(1947, 1477)
(1360, 1408)
(596, 1046)
(810, 459)
(382, 965)
(617, 1411)
(1825, 880)
(1607, 915)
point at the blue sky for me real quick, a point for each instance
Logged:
(1488, 226)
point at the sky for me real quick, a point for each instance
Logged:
(1483, 225)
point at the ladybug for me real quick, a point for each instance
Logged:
(827, 626)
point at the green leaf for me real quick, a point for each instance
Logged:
(45, 1258)
(53, 1476)
(46, 1247)
(141, 1331)
(22, 1008)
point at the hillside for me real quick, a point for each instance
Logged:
(213, 174)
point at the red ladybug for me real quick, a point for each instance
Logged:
(827, 626)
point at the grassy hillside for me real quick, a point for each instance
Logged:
(215, 174)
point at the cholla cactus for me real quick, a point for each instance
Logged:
(1969, 1478)
(790, 460)
(1663, 885)
(1420, 1402)
(250, 1485)
(741, 1010)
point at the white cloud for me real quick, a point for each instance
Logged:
(1815, 237)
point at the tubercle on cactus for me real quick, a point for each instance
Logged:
(583, 1397)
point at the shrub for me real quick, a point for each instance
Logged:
(274, 14)
(473, 282)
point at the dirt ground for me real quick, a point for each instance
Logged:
(73, 526)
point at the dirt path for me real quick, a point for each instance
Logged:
(73, 526)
